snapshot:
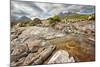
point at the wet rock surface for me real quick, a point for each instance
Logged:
(73, 42)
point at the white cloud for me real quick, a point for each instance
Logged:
(42, 10)
(24, 9)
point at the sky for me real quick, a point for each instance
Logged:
(46, 10)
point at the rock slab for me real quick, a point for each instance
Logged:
(61, 56)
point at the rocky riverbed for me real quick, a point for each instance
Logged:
(35, 45)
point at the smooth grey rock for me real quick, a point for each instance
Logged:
(61, 56)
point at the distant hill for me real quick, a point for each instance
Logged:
(66, 14)
(71, 15)
(13, 18)
(23, 19)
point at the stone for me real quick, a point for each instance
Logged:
(43, 32)
(35, 36)
(32, 44)
(34, 49)
(18, 50)
(44, 55)
(61, 56)
(91, 18)
(13, 37)
(17, 57)
(28, 59)
(19, 62)
(13, 64)
(38, 58)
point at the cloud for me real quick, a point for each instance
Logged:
(21, 8)
(44, 10)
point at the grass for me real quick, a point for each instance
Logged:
(79, 16)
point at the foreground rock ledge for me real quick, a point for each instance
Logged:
(36, 45)
(32, 58)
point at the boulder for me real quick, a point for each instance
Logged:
(32, 44)
(91, 18)
(61, 56)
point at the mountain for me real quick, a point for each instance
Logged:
(14, 18)
(23, 19)
(87, 11)
(66, 14)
